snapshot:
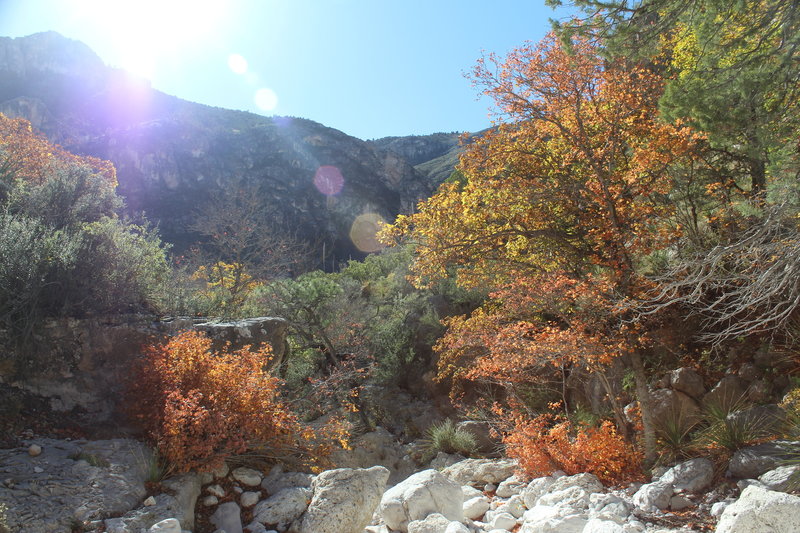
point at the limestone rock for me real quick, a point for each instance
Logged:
(693, 475)
(228, 517)
(753, 461)
(433, 523)
(343, 500)
(535, 490)
(480, 471)
(283, 507)
(759, 510)
(687, 381)
(652, 496)
(420, 495)
(475, 508)
(170, 525)
(510, 487)
(779, 478)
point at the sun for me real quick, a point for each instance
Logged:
(146, 33)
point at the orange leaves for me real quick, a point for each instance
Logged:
(30, 154)
(201, 406)
(548, 443)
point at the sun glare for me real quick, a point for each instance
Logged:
(148, 32)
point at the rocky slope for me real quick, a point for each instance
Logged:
(172, 155)
(55, 486)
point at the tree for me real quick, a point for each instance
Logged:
(733, 69)
(243, 244)
(572, 180)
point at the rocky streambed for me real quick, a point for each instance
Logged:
(53, 486)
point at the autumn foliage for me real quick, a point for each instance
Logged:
(547, 443)
(29, 155)
(200, 406)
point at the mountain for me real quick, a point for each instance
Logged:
(173, 156)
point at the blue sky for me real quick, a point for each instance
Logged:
(370, 68)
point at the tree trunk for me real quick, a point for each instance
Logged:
(643, 394)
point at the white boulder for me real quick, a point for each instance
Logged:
(344, 500)
(759, 510)
(420, 495)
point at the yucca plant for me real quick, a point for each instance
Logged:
(448, 438)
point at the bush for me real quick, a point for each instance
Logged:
(548, 443)
(448, 438)
(200, 407)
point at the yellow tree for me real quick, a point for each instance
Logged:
(572, 180)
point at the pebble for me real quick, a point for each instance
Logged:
(149, 501)
(34, 450)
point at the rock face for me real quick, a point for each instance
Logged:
(251, 331)
(88, 479)
(172, 155)
(420, 495)
(758, 509)
(344, 500)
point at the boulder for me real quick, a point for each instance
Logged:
(475, 508)
(228, 517)
(247, 476)
(653, 496)
(779, 479)
(433, 523)
(283, 507)
(185, 489)
(252, 332)
(420, 495)
(693, 475)
(753, 461)
(377, 448)
(687, 381)
(729, 391)
(758, 420)
(596, 525)
(277, 480)
(759, 510)
(669, 404)
(486, 442)
(535, 490)
(608, 507)
(510, 487)
(343, 500)
(480, 471)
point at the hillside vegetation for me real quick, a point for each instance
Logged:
(635, 208)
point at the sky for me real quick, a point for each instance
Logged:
(370, 68)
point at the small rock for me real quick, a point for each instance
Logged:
(718, 508)
(228, 516)
(503, 521)
(149, 501)
(216, 490)
(489, 487)
(679, 502)
(249, 498)
(210, 501)
(38, 469)
(170, 525)
(247, 476)
(476, 507)
(34, 450)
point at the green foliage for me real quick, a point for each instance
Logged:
(63, 251)
(446, 437)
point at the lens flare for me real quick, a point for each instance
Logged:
(329, 180)
(364, 230)
(237, 64)
(266, 99)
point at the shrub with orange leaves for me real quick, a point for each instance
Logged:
(200, 406)
(548, 442)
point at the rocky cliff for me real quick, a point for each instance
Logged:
(172, 155)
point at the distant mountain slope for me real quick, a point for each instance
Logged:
(434, 156)
(172, 155)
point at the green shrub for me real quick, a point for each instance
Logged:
(448, 438)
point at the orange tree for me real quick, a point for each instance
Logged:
(571, 187)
